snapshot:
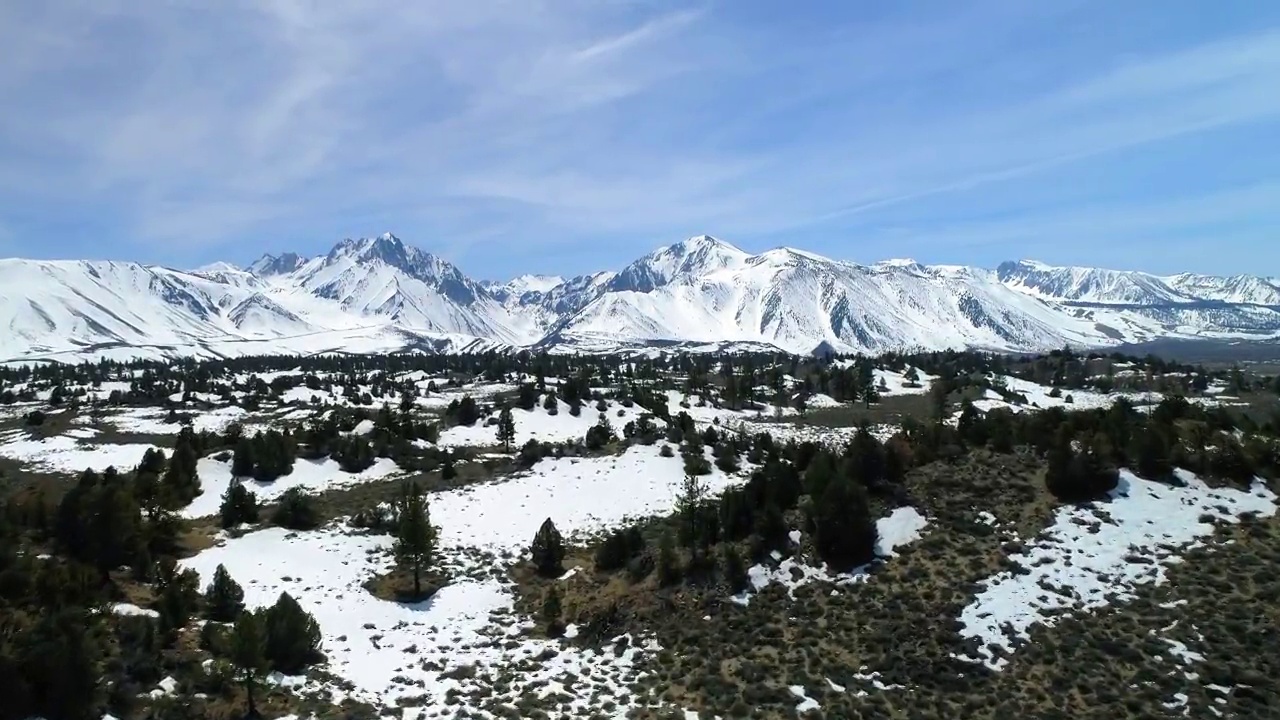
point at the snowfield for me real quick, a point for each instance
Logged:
(151, 421)
(1093, 555)
(66, 454)
(391, 651)
(538, 424)
(312, 475)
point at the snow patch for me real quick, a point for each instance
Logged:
(1093, 555)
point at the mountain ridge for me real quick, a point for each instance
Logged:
(381, 294)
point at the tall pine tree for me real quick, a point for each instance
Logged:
(506, 428)
(248, 650)
(415, 536)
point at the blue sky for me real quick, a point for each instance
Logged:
(516, 136)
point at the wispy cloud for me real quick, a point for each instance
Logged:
(511, 132)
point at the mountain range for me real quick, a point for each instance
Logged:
(381, 294)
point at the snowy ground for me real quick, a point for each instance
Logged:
(312, 475)
(67, 454)
(892, 383)
(1093, 555)
(392, 651)
(151, 421)
(1038, 397)
(538, 424)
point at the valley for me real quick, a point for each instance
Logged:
(911, 535)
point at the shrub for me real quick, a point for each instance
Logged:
(296, 511)
(618, 549)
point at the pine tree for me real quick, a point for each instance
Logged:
(239, 505)
(528, 397)
(819, 474)
(415, 536)
(178, 595)
(242, 461)
(180, 481)
(248, 645)
(115, 524)
(845, 534)
(735, 571)
(691, 511)
(1151, 451)
(224, 598)
(296, 511)
(600, 434)
(547, 550)
(292, 636)
(506, 428)
(669, 571)
(468, 411)
(912, 376)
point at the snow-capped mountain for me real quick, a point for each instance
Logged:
(381, 294)
(518, 287)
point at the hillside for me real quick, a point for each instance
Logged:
(714, 535)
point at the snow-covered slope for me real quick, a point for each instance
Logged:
(380, 295)
(798, 301)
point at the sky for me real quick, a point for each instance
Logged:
(567, 136)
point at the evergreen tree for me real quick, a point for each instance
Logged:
(415, 536)
(669, 570)
(727, 457)
(697, 525)
(178, 596)
(115, 524)
(468, 411)
(819, 474)
(242, 460)
(180, 482)
(735, 571)
(528, 397)
(617, 549)
(506, 428)
(292, 636)
(547, 550)
(247, 645)
(224, 598)
(239, 505)
(600, 434)
(296, 510)
(1151, 451)
(845, 534)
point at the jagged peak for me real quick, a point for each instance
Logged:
(270, 264)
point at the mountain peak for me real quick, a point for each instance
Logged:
(689, 258)
(704, 243)
(386, 247)
(269, 264)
